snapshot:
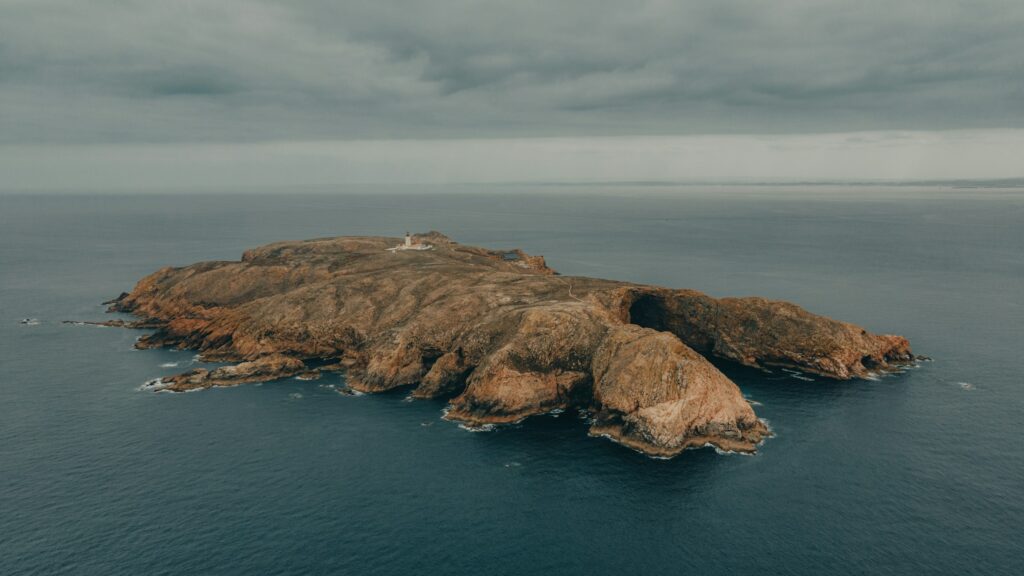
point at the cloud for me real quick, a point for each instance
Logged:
(111, 71)
(337, 165)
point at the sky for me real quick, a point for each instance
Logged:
(131, 94)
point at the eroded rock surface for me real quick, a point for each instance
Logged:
(498, 333)
(270, 367)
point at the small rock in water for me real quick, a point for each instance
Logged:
(30, 321)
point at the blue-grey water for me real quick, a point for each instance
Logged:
(921, 473)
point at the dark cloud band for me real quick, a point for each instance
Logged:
(238, 71)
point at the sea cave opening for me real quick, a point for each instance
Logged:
(648, 311)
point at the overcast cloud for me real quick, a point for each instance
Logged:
(111, 72)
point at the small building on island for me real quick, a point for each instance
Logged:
(410, 243)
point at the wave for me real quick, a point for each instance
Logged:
(480, 428)
(469, 427)
(154, 385)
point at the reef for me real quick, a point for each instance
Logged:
(498, 334)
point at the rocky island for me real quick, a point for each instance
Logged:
(498, 333)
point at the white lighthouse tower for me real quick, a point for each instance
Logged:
(409, 245)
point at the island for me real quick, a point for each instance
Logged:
(497, 333)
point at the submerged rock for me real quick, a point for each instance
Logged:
(502, 336)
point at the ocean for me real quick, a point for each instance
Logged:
(917, 473)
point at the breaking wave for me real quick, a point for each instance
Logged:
(480, 428)
(154, 385)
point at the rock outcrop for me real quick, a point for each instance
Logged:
(498, 333)
(270, 367)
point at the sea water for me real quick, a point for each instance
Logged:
(917, 473)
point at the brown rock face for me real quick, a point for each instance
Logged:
(498, 333)
(759, 333)
(272, 367)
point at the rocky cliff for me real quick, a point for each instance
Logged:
(496, 332)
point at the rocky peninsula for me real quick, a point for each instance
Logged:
(498, 333)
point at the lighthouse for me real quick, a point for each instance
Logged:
(408, 244)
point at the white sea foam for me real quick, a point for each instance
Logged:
(295, 396)
(169, 365)
(154, 385)
(480, 428)
(512, 464)
(464, 426)
(965, 385)
(584, 415)
(797, 374)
